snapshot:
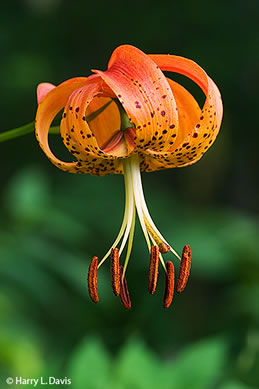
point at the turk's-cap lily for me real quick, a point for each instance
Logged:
(127, 119)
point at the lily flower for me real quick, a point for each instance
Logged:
(126, 120)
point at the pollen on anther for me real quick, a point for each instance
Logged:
(169, 284)
(115, 271)
(92, 280)
(163, 247)
(185, 267)
(124, 292)
(153, 269)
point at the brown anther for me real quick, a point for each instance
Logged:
(185, 267)
(115, 271)
(169, 284)
(92, 280)
(153, 269)
(164, 247)
(124, 292)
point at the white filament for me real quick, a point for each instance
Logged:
(135, 200)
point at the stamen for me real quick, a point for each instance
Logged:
(124, 292)
(129, 197)
(153, 269)
(92, 280)
(160, 255)
(164, 247)
(115, 271)
(169, 284)
(134, 165)
(130, 207)
(153, 231)
(130, 242)
(146, 221)
(185, 267)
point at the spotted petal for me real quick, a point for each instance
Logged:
(201, 136)
(48, 108)
(146, 96)
(83, 139)
(75, 97)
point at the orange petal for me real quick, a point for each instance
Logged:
(145, 95)
(105, 125)
(189, 111)
(181, 65)
(79, 137)
(43, 89)
(48, 108)
(196, 142)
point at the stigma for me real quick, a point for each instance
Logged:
(156, 244)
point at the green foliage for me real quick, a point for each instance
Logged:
(235, 385)
(52, 223)
(90, 365)
(48, 326)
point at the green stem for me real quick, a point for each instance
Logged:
(28, 128)
(125, 122)
(23, 130)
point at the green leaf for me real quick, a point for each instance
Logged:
(28, 194)
(244, 298)
(137, 367)
(235, 385)
(90, 366)
(199, 366)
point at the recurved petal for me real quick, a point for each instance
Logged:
(146, 96)
(196, 142)
(82, 140)
(48, 108)
(189, 111)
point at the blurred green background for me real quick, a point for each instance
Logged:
(50, 227)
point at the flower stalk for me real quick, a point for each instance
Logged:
(30, 127)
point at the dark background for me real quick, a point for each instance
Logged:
(52, 223)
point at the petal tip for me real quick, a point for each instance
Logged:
(43, 89)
